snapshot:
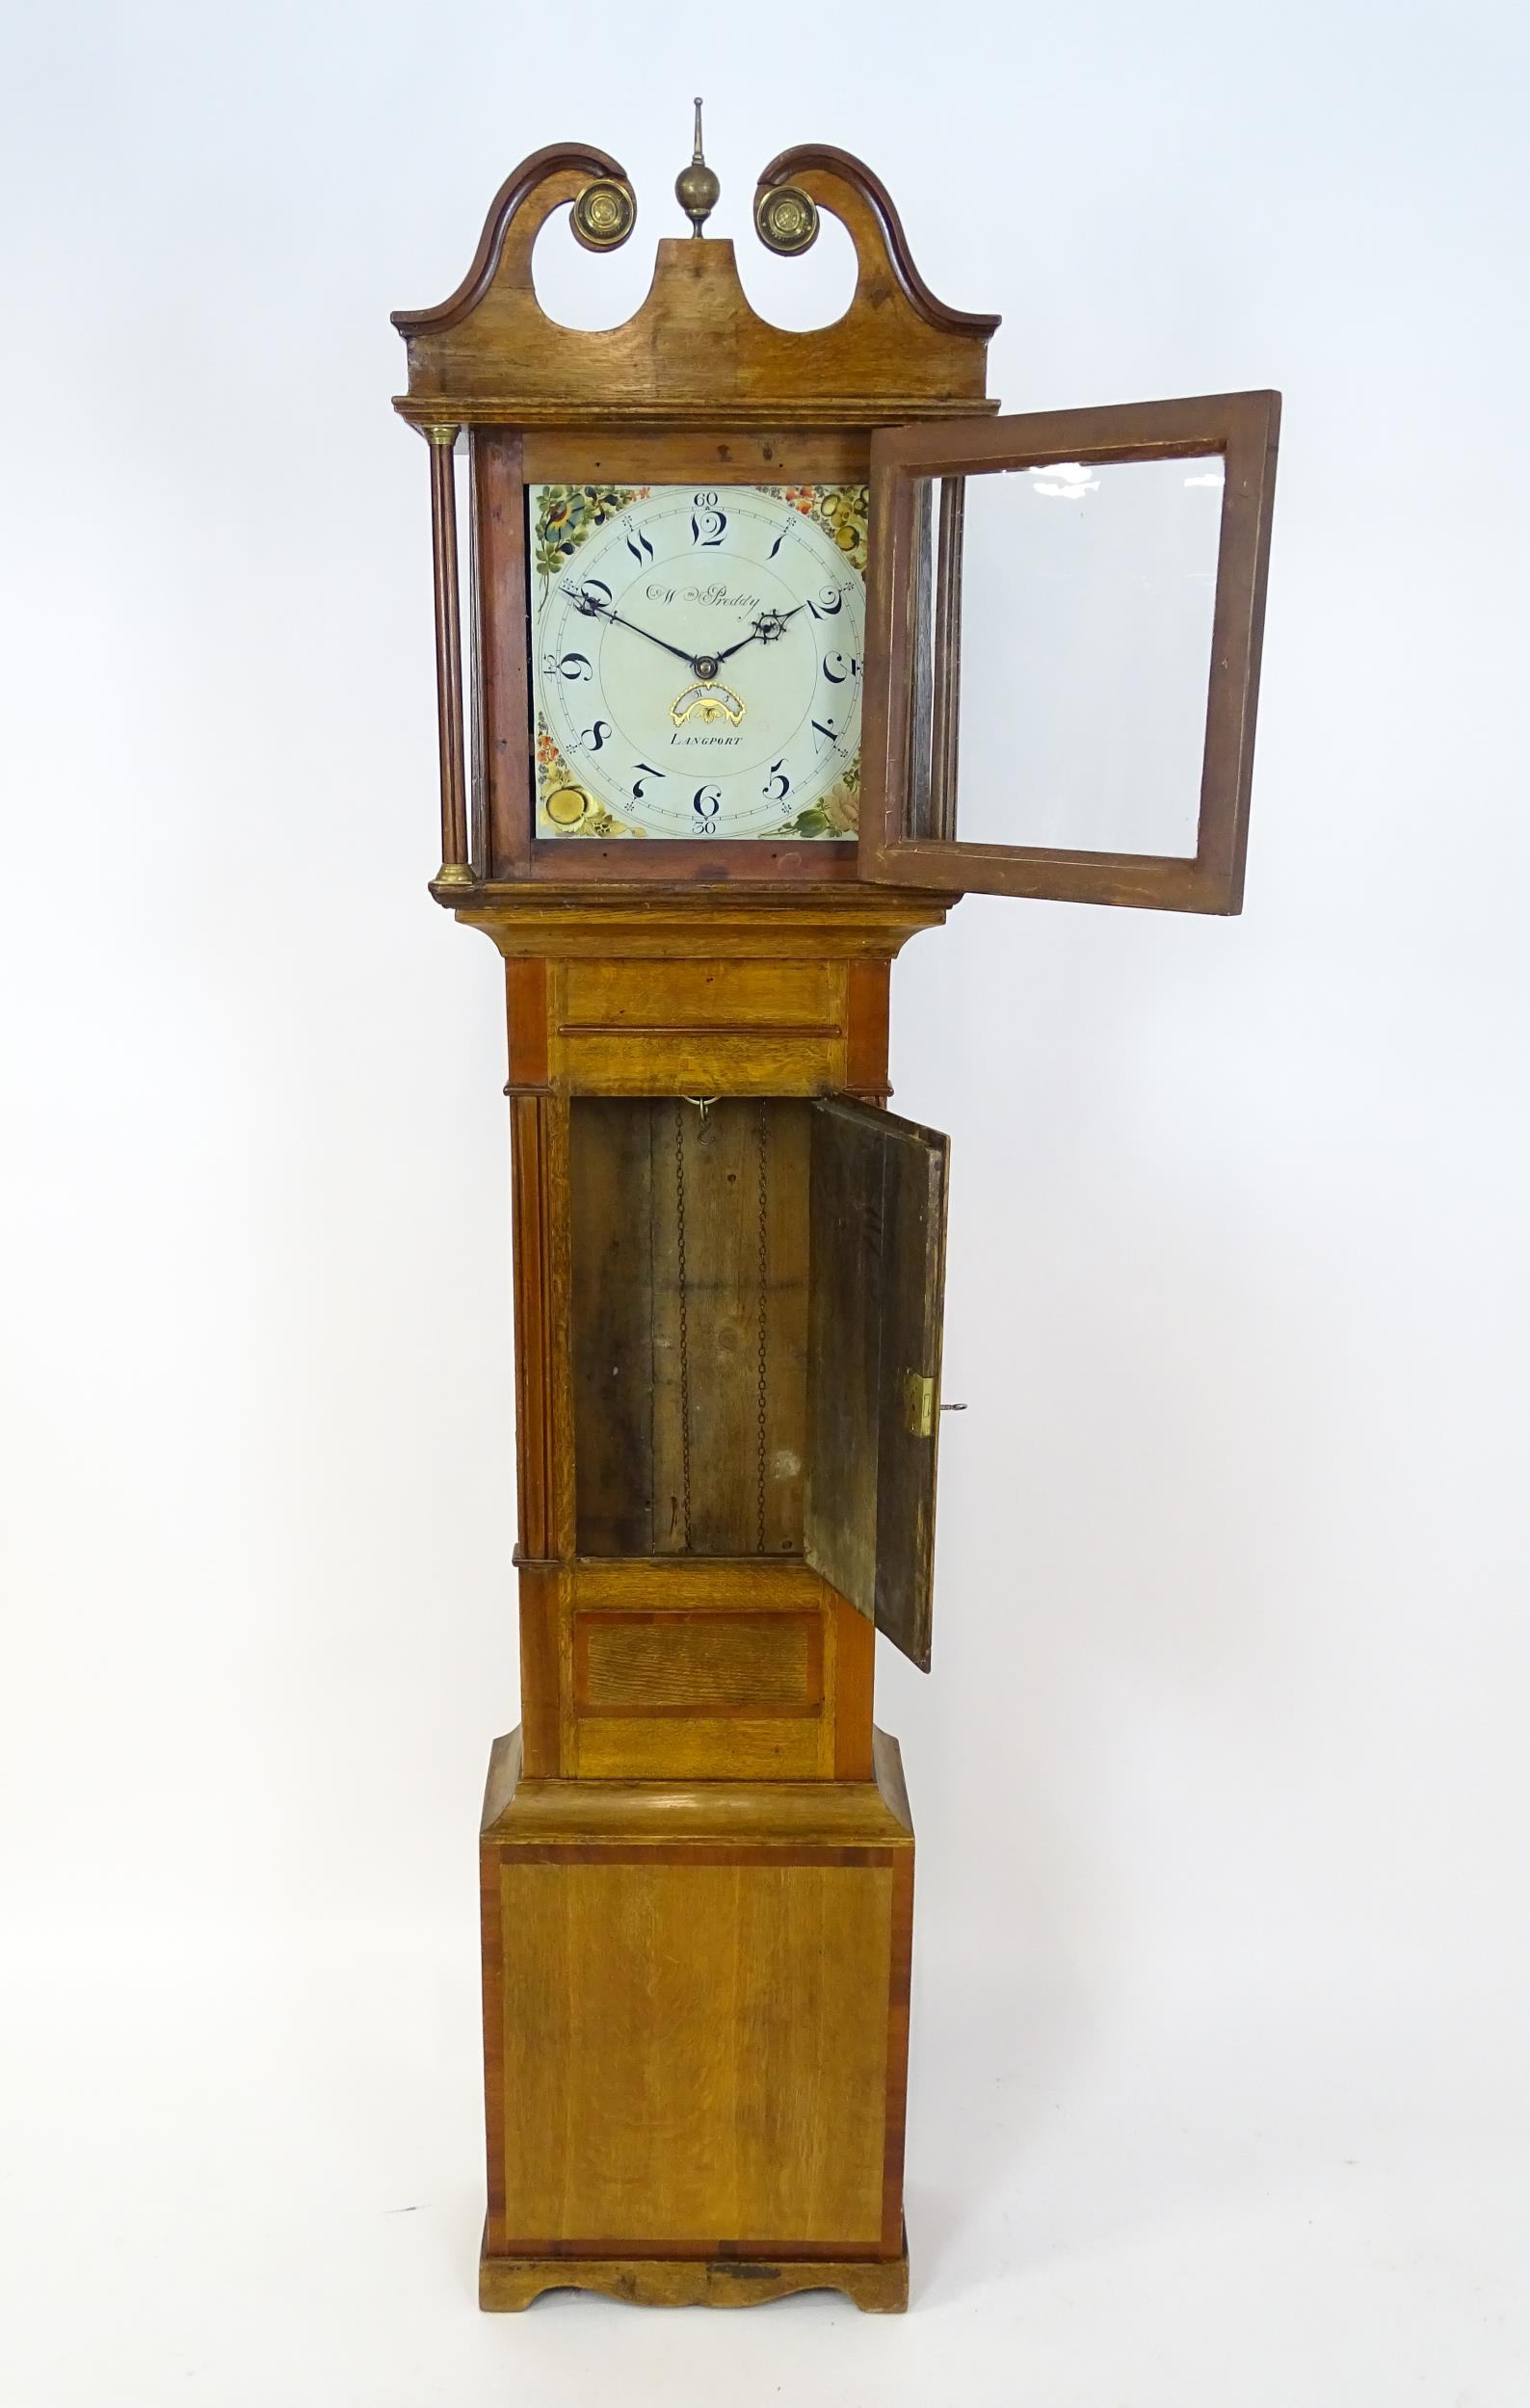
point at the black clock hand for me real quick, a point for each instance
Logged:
(754, 635)
(601, 609)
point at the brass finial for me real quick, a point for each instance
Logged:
(695, 187)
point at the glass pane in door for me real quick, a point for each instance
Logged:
(1081, 599)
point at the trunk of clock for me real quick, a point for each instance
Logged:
(696, 1854)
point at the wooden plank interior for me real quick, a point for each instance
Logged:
(704, 1388)
(689, 1440)
(534, 1334)
(781, 1460)
(611, 1209)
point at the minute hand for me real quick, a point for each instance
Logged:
(600, 610)
(753, 636)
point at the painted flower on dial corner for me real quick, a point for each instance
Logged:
(566, 513)
(836, 814)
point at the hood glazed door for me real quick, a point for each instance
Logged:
(1064, 626)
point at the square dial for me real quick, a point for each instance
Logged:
(696, 658)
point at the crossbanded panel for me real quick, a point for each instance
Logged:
(648, 996)
(696, 1663)
(695, 2053)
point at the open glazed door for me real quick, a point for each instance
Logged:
(1063, 638)
(877, 1284)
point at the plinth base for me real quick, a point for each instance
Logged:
(880, 2286)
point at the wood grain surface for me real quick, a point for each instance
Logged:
(635, 1671)
(876, 1295)
(706, 1662)
(876, 2286)
(696, 350)
(696, 2018)
(689, 2053)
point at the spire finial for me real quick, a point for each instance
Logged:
(695, 187)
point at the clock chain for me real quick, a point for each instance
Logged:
(685, 1325)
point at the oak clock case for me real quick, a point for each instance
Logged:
(754, 650)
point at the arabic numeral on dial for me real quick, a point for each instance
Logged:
(643, 770)
(777, 545)
(708, 524)
(779, 785)
(830, 603)
(590, 596)
(592, 738)
(641, 549)
(827, 730)
(707, 802)
(570, 664)
(838, 666)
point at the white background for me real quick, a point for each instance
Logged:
(1219, 2079)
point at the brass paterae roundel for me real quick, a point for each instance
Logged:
(604, 214)
(785, 218)
(567, 806)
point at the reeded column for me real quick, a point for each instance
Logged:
(454, 870)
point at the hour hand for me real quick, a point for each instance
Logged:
(765, 630)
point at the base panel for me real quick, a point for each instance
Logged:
(879, 2286)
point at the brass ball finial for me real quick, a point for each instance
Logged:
(695, 187)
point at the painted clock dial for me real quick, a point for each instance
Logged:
(697, 656)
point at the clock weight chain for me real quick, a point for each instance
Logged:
(685, 1325)
(684, 1502)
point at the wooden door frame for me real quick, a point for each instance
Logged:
(1243, 428)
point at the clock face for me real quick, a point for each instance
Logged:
(697, 657)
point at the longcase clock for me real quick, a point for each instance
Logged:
(757, 648)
